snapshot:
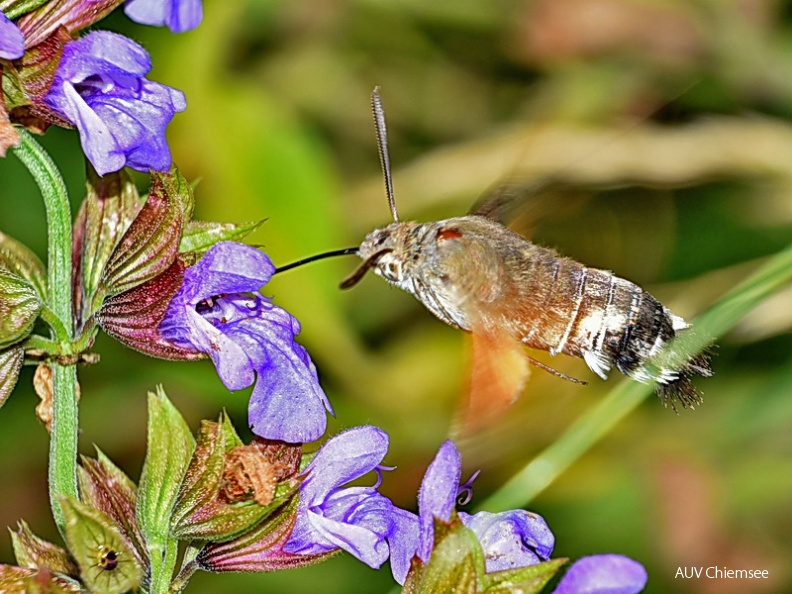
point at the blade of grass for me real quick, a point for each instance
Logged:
(625, 397)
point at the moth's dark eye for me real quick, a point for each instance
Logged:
(392, 269)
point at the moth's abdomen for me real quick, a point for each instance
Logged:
(609, 322)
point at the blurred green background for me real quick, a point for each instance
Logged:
(659, 132)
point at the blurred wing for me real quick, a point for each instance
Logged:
(522, 206)
(499, 372)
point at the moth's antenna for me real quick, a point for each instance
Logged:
(322, 256)
(382, 146)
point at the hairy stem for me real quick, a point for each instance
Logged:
(63, 442)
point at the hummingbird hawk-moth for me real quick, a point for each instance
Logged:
(475, 274)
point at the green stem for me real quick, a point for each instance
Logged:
(624, 398)
(63, 442)
(163, 564)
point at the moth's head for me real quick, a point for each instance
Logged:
(384, 251)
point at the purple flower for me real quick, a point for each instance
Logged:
(218, 311)
(100, 88)
(178, 15)
(12, 42)
(356, 519)
(603, 574)
(509, 539)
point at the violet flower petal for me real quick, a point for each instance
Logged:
(178, 15)
(511, 539)
(356, 519)
(437, 496)
(603, 574)
(121, 116)
(12, 42)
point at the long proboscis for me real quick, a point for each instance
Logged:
(322, 256)
(361, 270)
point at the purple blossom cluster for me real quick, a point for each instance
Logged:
(367, 525)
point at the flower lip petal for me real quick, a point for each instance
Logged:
(603, 574)
(12, 42)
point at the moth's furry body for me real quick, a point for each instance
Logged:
(475, 274)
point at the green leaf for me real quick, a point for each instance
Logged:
(107, 563)
(18, 258)
(525, 580)
(34, 552)
(150, 244)
(199, 236)
(105, 487)
(170, 446)
(10, 364)
(455, 564)
(20, 305)
(111, 204)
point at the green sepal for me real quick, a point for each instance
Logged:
(200, 512)
(34, 552)
(105, 487)
(230, 435)
(111, 204)
(106, 561)
(168, 452)
(20, 260)
(525, 580)
(23, 580)
(10, 364)
(260, 549)
(455, 565)
(199, 236)
(20, 305)
(14, 8)
(150, 244)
